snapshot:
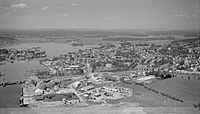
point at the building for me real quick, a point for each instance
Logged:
(87, 88)
(142, 69)
(38, 97)
(97, 94)
(71, 102)
(146, 78)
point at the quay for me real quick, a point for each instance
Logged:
(17, 82)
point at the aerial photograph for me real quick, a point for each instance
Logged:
(99, 57)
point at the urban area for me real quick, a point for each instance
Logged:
(104, 74)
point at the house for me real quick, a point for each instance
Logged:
(38, 97)
(38, 91)
(142, 69)
(71, 102)
(112, 89)
(87, 88)
(74, 66)
(76, 84)
(145, 78)
(108, 65)
(97, 94)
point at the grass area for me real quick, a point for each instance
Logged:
(187, 90)
(147, 98)
(59, 97)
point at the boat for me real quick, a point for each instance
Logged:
(74, 43)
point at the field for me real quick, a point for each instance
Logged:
(187, 90)
(147, 98)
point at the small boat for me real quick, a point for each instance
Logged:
(76, 43)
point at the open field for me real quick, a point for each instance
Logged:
(187, 90)
(147, 98)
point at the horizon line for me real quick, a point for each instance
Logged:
(101, 29)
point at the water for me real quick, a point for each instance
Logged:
(16, 70)
(9, 95)
(52, 49)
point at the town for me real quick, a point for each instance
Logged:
(106, 73)
(11, 55)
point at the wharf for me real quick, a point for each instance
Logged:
(27, 96)
(17, 82)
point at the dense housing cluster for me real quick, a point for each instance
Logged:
(19, 55)
(140, 58)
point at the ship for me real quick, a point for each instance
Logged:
(75, 43)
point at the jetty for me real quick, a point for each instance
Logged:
(6, 83)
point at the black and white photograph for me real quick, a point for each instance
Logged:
(99, 56)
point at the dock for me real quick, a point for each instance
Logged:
(6, 83)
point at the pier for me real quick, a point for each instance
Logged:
(6, 83)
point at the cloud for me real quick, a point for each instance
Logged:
(107, 18)
(19, 5)
(59, 7)
(45, 8)
(63, 15)
(181, 15)
(184, 16)
(111, 18)
(75, 4)
(194, 15)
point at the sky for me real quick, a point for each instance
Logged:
(100, 14)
